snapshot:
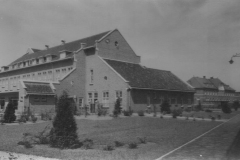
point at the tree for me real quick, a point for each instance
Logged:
(226, 108)
(199, 106)
(9, 114)
(117, 108)
(236, 105)
(165, 106)
(64, 131)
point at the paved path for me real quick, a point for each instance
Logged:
(212, 146)
(18, 156)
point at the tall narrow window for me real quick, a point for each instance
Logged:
(91, 76)
(105, 99)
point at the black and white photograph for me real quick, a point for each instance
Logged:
(119, 79)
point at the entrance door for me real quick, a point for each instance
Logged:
(92, 101)
(14, 101)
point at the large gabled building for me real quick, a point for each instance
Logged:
(93, 70)
(211, 92)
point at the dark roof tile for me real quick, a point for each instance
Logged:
(70, 46)
(40, 88)
(143, 77)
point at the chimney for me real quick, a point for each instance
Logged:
(204, 77)
(47, 46)
(63, 42)
(83, 45)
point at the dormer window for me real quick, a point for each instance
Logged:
(48, 58)
(41, 60)
(37, 61)
(64, 53)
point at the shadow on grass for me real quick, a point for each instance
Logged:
(233, 151)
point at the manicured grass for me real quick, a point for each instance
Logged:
(206, 115)
(163, 135)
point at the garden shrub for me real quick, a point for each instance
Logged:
(142, 139)
(219, 116)
(46, 115)
(141, 113)
(213, 118)
(108, 148)
(226, 108)
(176, 112)
(9, 114)
(165, 106)
(43, 137)
(87, 143)
(117, 108)
(118, 144)
(154, 110)
(199, 107)
(127, 113)
(132, 145)
(235, 105)
(33, 118)
(64, 131)
(28, 140)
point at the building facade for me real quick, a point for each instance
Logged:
(212, 92)
(94, 71)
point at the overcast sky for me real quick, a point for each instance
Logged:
(187, 37)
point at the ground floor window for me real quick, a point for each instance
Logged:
(105, 98)
(2, 103)
(80, 102)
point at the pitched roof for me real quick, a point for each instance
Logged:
(198, 82)
(38, 88)
(70, 46)
(211, 83)
(217, 82)
(143, 77)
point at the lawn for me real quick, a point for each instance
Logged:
(163, 135)
(208, 115)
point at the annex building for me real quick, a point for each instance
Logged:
(212, 92)
(93, 70)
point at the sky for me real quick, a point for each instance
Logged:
(187, 37)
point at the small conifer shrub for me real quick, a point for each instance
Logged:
(64, 131)
(117, 108)
(165, 106)
(9, 114)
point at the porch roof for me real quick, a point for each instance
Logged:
(38, 88)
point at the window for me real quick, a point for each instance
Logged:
(33, 76)
(39, 76)
(2, 103)
(70, 68)
(58, 74)
(118, 94)
(44, 76)
(49, 75)
(105, 98)
(91, 76)
(24, 76)
(64, 70)
(15, 81)
(36, 99)
(80, 102)
(28, 76)
(44, 99)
